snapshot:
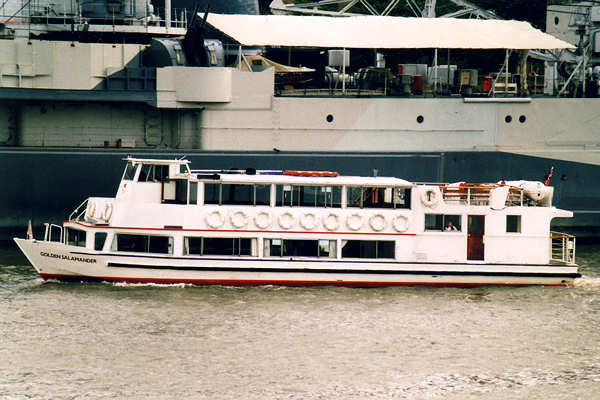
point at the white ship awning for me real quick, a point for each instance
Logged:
(376, 32)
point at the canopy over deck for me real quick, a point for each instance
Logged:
(383, 32)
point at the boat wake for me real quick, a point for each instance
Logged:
(149, 284)
(587, 281)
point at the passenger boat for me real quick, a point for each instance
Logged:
(171, 224)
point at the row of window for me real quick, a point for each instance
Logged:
(303, 195)
(209, 246)
(452, 223)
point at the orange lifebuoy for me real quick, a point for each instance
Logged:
(328, 174)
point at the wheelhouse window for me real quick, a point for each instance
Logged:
(218, 246)
(299, 248)
(443, 222)
(143, 243)
(378, 197)
(237, 194)
(368, 249)
(75, 237)
(309, 196)
(153, 173)
(129, 173)
(193, 188)
(99, 239)
(513, 223)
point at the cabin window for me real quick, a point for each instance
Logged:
(373, 197)
(75, 237)
(193, 198)
(99, 239)
(218, 246)
(513, 223)
(143, 243)
(238, 194)
(153, 173)
(443, 222)
(368, 249)
(262, 195)
(212, 193)
(129, 171)
(299, 248)
(309, 196)
(174, 191)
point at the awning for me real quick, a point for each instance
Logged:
(376, 32)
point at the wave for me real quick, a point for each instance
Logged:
(587, 281)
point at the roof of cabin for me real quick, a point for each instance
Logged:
(379, 181)
(156, 161)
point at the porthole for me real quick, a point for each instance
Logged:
(420, 119)
(556, 20)
(522, 119)
(329, 118)
(508, 119)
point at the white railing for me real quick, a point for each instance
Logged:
(77, 213)
(562, 247)
(48, 232)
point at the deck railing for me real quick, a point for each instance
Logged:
(479, 195)
(79, 212)
(562, 247)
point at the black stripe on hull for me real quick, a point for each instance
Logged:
(351, 271)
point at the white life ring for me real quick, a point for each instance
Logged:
(108, 209)
(287, 220)
(263, 220)
(400, 223)
(91, 209)
(331, 222)
(377, 222)
(215, 219)
(430, 197)
(239, 218)
(309, 221)
(354, 221)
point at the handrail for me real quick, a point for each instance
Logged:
(562, 247)
(76, 211)
(48, 232)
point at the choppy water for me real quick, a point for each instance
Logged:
(105, 341)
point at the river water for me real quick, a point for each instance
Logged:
(113, 341)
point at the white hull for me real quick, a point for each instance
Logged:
(55, 260)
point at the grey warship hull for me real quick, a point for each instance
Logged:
(73, 107)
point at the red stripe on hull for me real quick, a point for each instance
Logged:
(291, 283)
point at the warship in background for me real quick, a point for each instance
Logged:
(85, 83)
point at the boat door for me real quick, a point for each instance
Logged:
(475, 230)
